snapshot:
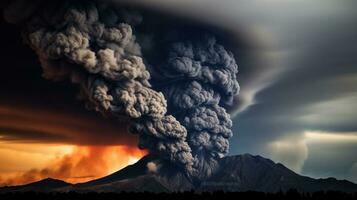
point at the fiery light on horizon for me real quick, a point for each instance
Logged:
(70, 163)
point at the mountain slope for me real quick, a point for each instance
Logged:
(247, 172)
(130, 171)
(45, 185)
(235, 173)
(137, 178)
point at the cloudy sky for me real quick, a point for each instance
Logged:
(302, 104)
(298, 100)
(297, 106)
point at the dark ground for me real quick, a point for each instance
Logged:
(291, 195)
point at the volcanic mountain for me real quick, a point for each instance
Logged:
(235, 173)
(45, 185)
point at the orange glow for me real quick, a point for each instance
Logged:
(82, 163)
(74, 146)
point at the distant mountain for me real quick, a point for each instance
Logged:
(247, 172)
(235, 173)
(45, 185)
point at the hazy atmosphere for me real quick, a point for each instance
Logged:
(297, 103)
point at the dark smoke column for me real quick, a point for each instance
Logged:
(200, 80)
(89, 44)
(94, 46)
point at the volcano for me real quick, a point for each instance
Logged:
(235, 173)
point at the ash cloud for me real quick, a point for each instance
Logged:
(108, 54)
(200, 82)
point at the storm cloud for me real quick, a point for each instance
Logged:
(297, 74)
(95, 47)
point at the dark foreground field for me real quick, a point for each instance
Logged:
(291, 195)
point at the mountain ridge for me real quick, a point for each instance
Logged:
(235, 173)
(44, 185)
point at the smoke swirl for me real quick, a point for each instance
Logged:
(95, 46)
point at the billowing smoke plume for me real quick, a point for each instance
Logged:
(200, 79)
(76, 41)
(95, 47)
